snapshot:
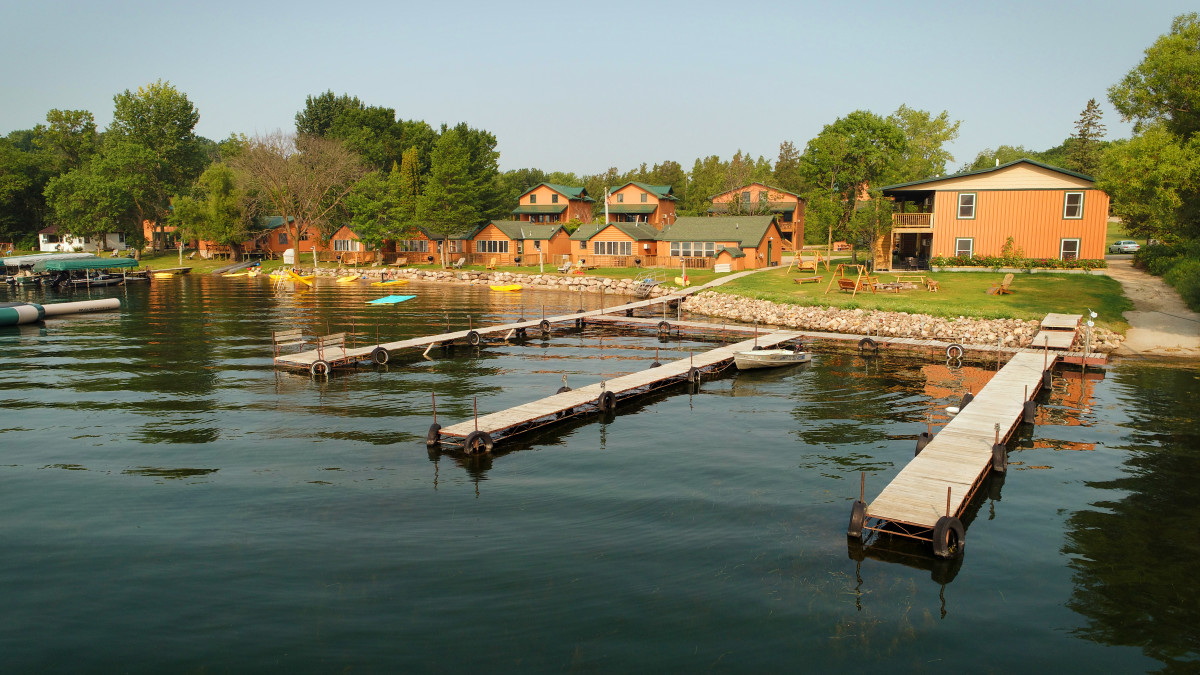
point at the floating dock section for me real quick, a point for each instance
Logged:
(927, 498)
(481, 433)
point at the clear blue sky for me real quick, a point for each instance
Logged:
(585, 86)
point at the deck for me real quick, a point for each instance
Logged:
(587, 399)
(960, 455)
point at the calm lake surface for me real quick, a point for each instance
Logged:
(170, 502)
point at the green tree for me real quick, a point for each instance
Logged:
(217, 208)
(1083, 154)
(1164, 87)
(70, 137)
(988, 158)
(787, 173)
(924, 154)
(848, 156)
(446, 204)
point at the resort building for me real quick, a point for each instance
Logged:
(619, 244)
(1047, 211)
(641, 203)
(743, 242)
(49, 240)
(762, 199)
(549, 203)
(515, 242)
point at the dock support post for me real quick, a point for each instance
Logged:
(1029, 410)
(948, 500)
(475, 407)
(434, 436)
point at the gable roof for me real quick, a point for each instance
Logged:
(775, 207)
(565, 190)
(461, 234)
(635, 231)
(518, 230)
(769, 187)
(659, 191)
(990, 169)
(748, 229)
(734, 252)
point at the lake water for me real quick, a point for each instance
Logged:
(170, 502)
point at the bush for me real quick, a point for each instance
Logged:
(1185, 277)
(1022, 263)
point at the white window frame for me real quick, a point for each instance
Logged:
(345, 245)
(491, 246)
(974, 205)
(970, 246)
(1067, 205)
(1062, 248)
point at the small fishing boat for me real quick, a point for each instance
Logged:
(393, 282)
(507, 289)
(348, 279)
(770, 358)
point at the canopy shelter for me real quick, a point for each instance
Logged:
(31, 260)
(80, 264)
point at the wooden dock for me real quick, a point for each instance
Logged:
(927, 498)
(479, 435)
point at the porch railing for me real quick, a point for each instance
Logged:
(913, 220)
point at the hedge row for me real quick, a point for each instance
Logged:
(1178, 265)
(1018, 263)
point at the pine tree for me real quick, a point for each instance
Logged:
(1084, 154)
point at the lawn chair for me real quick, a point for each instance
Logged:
(458, 265)
(492, 263)
(565, 267)
(1002, 287)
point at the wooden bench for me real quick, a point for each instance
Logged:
(910, 278)
(805, 280)
(286, 338)
(335, 342)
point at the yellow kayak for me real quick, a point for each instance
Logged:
(508, 288)
(236, 274)
(393, 282)
(352, 277)
(296, 277)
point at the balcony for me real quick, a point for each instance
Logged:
(912, 221)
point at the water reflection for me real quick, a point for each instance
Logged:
(1134, 553)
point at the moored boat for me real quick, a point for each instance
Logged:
(770, 358)
(507, 288)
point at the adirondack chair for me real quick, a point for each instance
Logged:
(1002, 287)
(565, 267)
(459, 263)
(492, 263)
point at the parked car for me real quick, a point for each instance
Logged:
(1125, 246)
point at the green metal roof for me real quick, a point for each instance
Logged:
(78, 264)
(635, 231)
(516, 230)
(747, 229)
(540, 208)
(632, 208)
(568, 191)
(748, 185)
(733, 251)
(660, 191)
(1068, 172)
(775, 207)
(434, 236)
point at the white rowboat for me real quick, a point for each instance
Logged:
(770, 358)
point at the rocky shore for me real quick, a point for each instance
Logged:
(1009, 332)
(548, 282)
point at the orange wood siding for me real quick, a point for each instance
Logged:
(1033, 218)
(633, 196)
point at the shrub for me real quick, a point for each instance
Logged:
(1023, 263)
(1185, 277)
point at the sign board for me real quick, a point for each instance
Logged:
(723, 267)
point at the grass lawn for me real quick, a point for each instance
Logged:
(962, 294)
(1116, 231)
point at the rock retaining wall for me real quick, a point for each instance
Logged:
(551, 282)
(1010, 332)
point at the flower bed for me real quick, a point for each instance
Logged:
(998, 262)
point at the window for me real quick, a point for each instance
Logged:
(693, 249)
(746, 197)
(553, 199)
(583, 245)
(121, 237)
(964, 247)
(966, 206)
(612, 247)
(282, 239)
(621, 199)
(1073, 206)
(537, 245)
(1069, 249)
(532, 199)
(491, 246)
(346, 245)
(50, 238)
(304, 236)
(644, 195)
(413, 245)
(762, 195)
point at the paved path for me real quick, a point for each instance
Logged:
(1160, 324)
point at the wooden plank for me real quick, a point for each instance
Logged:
(1061, 321)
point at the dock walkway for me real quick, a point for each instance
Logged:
(916, 503)
(598, 397)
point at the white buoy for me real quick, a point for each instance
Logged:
(953, 410)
